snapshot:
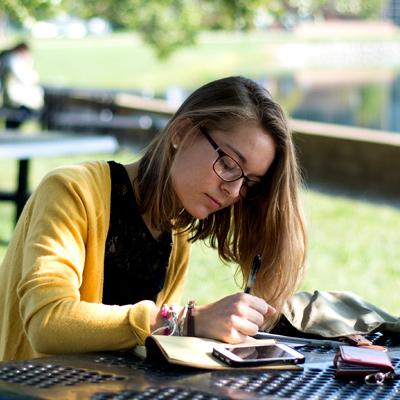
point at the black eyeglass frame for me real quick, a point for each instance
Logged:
(221, 154)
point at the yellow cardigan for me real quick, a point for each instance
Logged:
(51, 280)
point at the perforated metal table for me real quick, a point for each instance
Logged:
(118, 376)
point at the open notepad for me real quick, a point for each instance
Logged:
(193, 352)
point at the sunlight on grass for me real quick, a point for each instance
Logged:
(122, 60)
(353, 246)
(126, 62)
(209, 278)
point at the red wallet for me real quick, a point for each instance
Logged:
(358, 362)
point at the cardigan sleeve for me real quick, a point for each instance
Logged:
(64, 216)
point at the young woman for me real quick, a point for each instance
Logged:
(101, 247)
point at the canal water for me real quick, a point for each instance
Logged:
(362, 98)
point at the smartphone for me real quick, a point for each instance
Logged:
(257, 354)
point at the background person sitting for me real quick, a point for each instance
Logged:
(22, 96)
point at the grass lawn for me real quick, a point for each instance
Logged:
(353, 244)
(122, 60)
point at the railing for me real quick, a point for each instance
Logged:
(130, 117)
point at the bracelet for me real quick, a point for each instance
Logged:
(170, 326)
(165, 316)
(173, 329)
(190, 318)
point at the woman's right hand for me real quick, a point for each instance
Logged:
(232, 318)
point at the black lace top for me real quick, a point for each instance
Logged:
(135, 263)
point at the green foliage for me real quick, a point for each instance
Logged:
(226, 14)
(23, 10)
(168, 25)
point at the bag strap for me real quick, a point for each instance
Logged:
(362, 341)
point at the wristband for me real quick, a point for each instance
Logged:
(190, 318)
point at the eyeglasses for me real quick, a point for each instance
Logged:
(229, 169)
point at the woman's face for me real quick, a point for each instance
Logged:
(200, 190)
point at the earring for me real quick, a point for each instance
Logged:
(175, 146)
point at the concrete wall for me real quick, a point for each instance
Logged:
(352, 160)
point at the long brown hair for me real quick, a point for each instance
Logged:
(272, 224)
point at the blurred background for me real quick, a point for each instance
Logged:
(122, 67)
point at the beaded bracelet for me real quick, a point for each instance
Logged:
(174, 326)
(165, 314)
(173, 322)
(170, 326)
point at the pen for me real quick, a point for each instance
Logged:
(252, 276)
